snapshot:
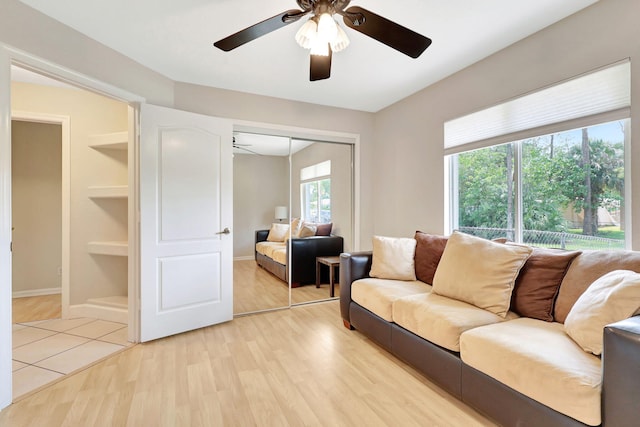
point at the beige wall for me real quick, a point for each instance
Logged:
(91, 276)
(260, 183)
(341, 195)
(408, 155)
(36, 176)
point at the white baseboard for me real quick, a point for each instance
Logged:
(36, 292)
(111, 314)
(244, 258)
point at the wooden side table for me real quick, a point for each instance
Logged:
(333, 262)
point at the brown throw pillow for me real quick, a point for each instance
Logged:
(324, 229)
(539, 281)
(429, 249)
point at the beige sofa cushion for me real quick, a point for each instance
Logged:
(479, 272)
(267, 248)
(439, 319)
(378, 295)
(393, 258)
(540, 361)
(279, 255)
(584, 270)
(612, 298)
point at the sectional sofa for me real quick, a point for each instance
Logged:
(516, 332)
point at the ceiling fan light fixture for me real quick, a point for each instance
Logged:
(327, 27)
(341, 41)
(307, 34)
(320, 47)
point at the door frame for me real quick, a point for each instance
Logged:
(11, 56)
(64, 122)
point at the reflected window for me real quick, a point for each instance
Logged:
(315, 192)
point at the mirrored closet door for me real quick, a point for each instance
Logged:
(293, 203)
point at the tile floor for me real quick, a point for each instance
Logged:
(47, 350)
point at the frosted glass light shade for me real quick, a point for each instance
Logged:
(341, 41)
(320, 47)
(307, 34)
(327, 27)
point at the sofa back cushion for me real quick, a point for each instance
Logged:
(538, 283)
(584, 270)
(429, 249)
(479, 272)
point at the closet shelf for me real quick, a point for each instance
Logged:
(108, 192)
(108, 248)
(110, 141)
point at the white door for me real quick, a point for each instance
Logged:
(186, 259)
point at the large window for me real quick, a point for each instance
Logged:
(315, 191)
(564, 189)
(546, 168)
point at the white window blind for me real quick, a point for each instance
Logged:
(598, 96)
(316, 171)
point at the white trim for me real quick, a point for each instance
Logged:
(5, 230)
(111, 314)
(244, 258)
(36, 292)
(42, 66)
(65, 124)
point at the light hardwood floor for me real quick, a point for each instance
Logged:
(31, 309)
(256, 289)
(287, 368)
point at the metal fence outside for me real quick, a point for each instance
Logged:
(548, 239)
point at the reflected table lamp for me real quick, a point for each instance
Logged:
(281, 213)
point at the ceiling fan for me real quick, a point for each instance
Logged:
(323, 36)
(243, 147)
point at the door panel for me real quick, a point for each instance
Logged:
(185, 202)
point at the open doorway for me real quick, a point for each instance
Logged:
(36, 177)
(70, 225)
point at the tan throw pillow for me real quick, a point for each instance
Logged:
(277, 232)
(307, 230)
(429, 249)
(538, 283)
(479, 272)
(584, 270)
(611, 298)
(294, 229)
(393, 258)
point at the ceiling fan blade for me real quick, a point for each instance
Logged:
(388, 32)
(260, 29)
(320, 67)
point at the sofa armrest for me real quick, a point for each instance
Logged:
(621, 373)
(304, 251)
(261, 236)
(353, 266)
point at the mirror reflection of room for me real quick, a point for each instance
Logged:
(292, 206)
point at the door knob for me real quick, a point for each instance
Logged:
(225, 231)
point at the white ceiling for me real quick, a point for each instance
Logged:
(175, 38)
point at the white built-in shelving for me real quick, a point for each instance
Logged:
(108, 192)
(110, 141)
(114, 248)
